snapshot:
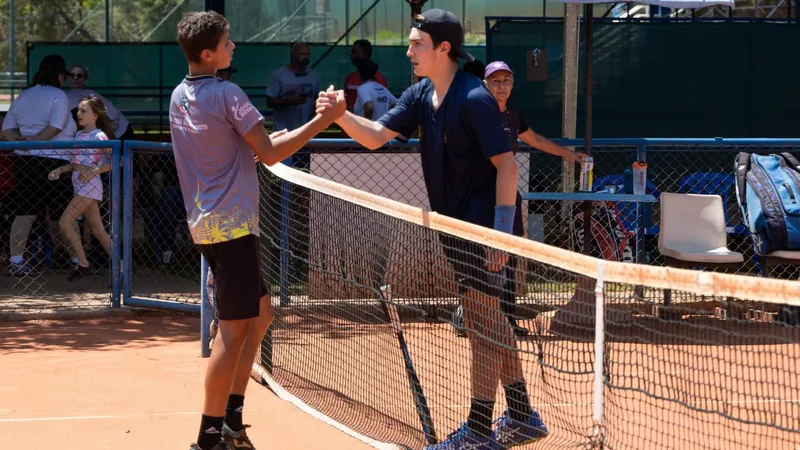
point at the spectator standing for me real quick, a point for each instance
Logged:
(78, 76)
(40, 113)
(360, 53)
(373, 99)
(292, 90)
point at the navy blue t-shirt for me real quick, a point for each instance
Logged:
(513, 125)
(456, 144)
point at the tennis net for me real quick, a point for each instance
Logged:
(364, 333)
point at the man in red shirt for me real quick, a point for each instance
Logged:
(360, 51)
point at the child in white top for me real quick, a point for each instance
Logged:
(373, 99)
(86, 167)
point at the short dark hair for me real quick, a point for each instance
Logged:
(198, 31)
(364, 45)
(367, 71)
(453, 54)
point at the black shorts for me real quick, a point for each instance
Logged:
(236, 266)
(36, 195)
(468, 260)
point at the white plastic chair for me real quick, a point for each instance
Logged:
(692, 234)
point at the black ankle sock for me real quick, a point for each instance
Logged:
(210, 432)
(519, 406)
(233, 412)
(480, 417)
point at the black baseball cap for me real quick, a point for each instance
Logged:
(444, 26)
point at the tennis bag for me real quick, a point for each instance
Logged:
(768, 193)
(612, 241)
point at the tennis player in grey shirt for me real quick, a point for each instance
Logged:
(215, 130)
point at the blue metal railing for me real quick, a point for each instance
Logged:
(127, 219)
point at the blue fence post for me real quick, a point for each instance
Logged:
(127, 220)
(206, 310)
(116, 199)
(286, 211)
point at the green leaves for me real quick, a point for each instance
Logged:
(85, 21)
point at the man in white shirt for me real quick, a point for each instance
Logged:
(373, 99)
(40, 113)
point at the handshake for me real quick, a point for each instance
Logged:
(331, 104)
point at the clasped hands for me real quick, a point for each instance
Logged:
(331, 104)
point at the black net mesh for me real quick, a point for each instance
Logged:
(340, 268)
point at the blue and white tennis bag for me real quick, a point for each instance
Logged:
(768, 193)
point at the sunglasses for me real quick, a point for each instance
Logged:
(76, 75)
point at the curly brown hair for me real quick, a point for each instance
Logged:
(198, 31)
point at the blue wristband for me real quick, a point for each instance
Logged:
(504, 218)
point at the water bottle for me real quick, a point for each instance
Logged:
(587, 168)
(639, 178)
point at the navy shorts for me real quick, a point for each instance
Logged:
(236, 266)
(468, 260)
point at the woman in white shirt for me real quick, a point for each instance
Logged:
(373, 99)
(40, 113)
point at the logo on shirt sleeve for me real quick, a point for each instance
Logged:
(184, 105)
(241, 111)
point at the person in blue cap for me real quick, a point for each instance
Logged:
(470, 174)
(499, 79)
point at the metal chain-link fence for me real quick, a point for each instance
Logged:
(680, 166)
(56, 236)
(163, 263)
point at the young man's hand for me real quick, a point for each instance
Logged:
(331, 104)
(328, 99)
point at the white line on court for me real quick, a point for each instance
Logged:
(117, 416)
(285, 395)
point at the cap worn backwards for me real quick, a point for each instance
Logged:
(444, 26)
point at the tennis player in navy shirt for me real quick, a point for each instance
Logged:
(470, 174)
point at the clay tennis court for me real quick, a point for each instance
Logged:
(127, 383)
(700, 383)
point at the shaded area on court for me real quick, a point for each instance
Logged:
(131, 329)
